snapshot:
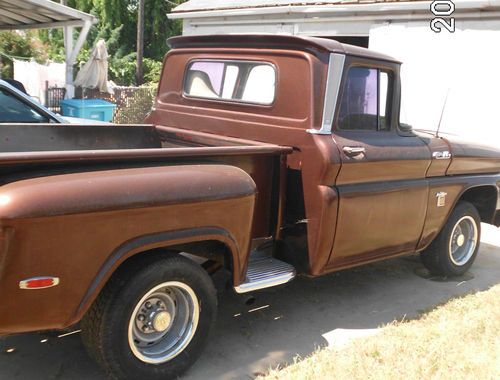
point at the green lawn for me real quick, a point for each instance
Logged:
(458, 340)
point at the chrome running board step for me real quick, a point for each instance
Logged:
(265, 272)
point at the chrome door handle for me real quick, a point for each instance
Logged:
(353, 150)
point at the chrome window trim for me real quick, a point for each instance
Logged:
(332, 90)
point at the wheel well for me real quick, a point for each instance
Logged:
(209, 250)
(215, 254)
(484, 198)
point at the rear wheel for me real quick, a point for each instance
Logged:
(151, 322)
(455, 248)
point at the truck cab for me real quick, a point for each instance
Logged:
(359, 185)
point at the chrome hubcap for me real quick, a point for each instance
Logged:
(163, 322)
(463, 240)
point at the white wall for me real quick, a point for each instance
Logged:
(467, 63)
(34, 75)
(257, 24)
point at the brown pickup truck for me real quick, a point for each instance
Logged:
(265, 156)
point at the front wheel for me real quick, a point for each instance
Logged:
(455, 248)
(151, 322)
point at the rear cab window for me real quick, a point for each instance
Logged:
(252, 82)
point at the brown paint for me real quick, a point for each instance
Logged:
(76, 201)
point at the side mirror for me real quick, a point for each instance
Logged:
(405, 128)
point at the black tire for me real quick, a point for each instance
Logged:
(438, 257)
(106, 329)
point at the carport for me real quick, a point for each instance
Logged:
(46, 14)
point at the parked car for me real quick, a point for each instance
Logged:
(265, 155)
(18, 107)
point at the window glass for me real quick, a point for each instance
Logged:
(249, 82)
(384, 122)
(260, 85)
(205, 79)
(364, 101)
(13, 110)
(230, 81)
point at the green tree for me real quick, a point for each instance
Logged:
(118, 27)
(19, 45)
(158, 28)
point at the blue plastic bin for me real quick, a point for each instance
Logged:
(95, 109)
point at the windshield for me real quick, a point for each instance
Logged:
(13, 110)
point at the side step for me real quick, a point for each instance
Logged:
(265, 272)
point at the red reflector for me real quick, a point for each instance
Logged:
(39, 283)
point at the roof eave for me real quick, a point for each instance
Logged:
(69, 17)
(393, 8)
(48, 25)
(70, 12)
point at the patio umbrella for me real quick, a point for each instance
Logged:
(94, 74)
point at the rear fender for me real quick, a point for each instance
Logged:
(146, 243)
(80, 227)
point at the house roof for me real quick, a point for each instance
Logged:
(275, 41)
(311, 8)
(36, 14)
(210, 5)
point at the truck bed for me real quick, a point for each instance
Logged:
(30, 143)
(37, 150)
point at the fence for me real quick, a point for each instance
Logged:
(53, 97)
(132, 103)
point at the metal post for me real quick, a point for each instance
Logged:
(72, 50)
(139, 74)
(68, 46)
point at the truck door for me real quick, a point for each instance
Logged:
(382, 187)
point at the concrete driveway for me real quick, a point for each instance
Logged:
(282, 323)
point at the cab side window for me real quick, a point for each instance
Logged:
(366, 100)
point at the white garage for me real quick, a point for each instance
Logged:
(462, 67)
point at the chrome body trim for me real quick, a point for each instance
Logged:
(444, 155)
(332, 90)
(265, 272)
(353, 150)
(441, 199)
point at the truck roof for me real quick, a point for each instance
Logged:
(313, 45)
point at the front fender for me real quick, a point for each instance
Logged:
(81, 226)
(454, 187)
